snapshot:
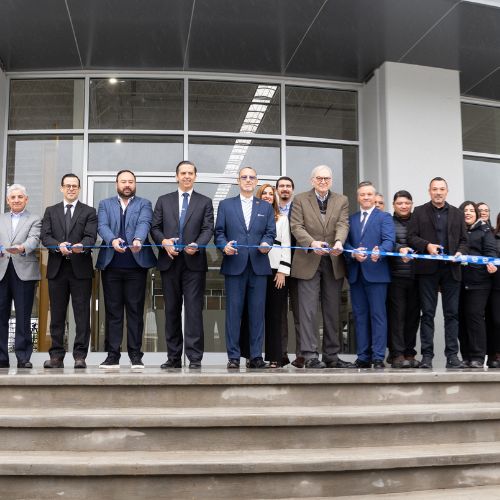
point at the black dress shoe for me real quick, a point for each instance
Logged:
(171, 363)
(359, 363)
(454, 363)
(285, 360)
(80, 364)
(339, 363)
(378, 364)
(315, 364)
(494, 363)
(54, 363)
(476, 364)
(25, 364)
(233, 364)
(426, 363)
(257, 363)
(195, 365)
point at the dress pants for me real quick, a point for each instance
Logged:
(276, 302)
(180, 283)
(22, 293)
(124, 289)
(472, 326)
(429, 284)
(323, 284)
(61, 288)
(493, 323)
(403, 306)
(370, 318)
(293, 293)
(251, 288)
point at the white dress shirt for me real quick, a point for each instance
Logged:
(246, 206)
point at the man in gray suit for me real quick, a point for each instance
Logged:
(319, 221)
(19, 274)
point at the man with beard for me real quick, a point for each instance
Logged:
(124, 222)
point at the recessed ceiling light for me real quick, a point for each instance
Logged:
(113, 81)
(118, 141)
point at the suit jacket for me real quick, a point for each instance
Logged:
(422, 231)
(230, 225)
(378, 231)
(139, 216)
(198, 227)
(27, 233)
(83, 230)
(307, 225)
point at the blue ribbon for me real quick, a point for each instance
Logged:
(462, 259)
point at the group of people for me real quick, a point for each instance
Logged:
(275, 246)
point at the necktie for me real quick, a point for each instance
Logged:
(363, 221)
(182, 218)
(67, 220)
(247, 212)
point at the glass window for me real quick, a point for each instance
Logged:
(39, 162)
(226, 156)
(481, 181)
(481, 128)
(141, 153)
(136, 104)
(302, 157)
(46, 104)
(331, 114)
(234, 107)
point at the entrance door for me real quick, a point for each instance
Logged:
(151, 187)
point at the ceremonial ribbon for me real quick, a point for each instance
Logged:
(461, 259)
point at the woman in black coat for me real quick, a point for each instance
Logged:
(493, 313)
(476, 286)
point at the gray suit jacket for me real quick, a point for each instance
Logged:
(27, 233)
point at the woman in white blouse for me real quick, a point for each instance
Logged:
(277, 289)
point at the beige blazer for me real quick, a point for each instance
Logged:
(307, 226)
(27, 233)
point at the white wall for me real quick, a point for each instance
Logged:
(3, 111)
(411, 132)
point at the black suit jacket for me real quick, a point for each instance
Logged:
(198, 227)
(422, 231)
(83, 230)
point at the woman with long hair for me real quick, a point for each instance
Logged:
(493, 313)
(476, 286)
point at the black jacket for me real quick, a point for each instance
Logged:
(422, 231)
(481, 242)
(400, 269)
(496, 276)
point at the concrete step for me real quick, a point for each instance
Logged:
(154, 388)
(249, 474)
(157, 429)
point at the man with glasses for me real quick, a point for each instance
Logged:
(68, 230)
(319, 223)
(245, 231)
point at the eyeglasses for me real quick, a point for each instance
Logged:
(71, 186)
(248, 177)
(323, 179)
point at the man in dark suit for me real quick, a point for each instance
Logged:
(68, 229)
(124, 222)
(368, 275)
(183, 217)
(245, 220)
(19, 274)
(437, 227)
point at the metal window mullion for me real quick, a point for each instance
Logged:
(235, 135)
(65, 131)
(186, 120)
(86, 118)
(109, 131)
(475, 154)
(283, 129)
(5, 142)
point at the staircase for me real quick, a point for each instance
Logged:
(263, 434)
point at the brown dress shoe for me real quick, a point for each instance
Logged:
(54, 363)
(298, 362)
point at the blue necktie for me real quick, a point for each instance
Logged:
(363, 221)
(182, 218)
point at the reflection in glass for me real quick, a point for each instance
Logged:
(481, 181)
(46, 104)
(481, 128)
(136, 104)
(139, 153)
(154, 315)
(234, 107)
(39, 162)
(327, 113)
